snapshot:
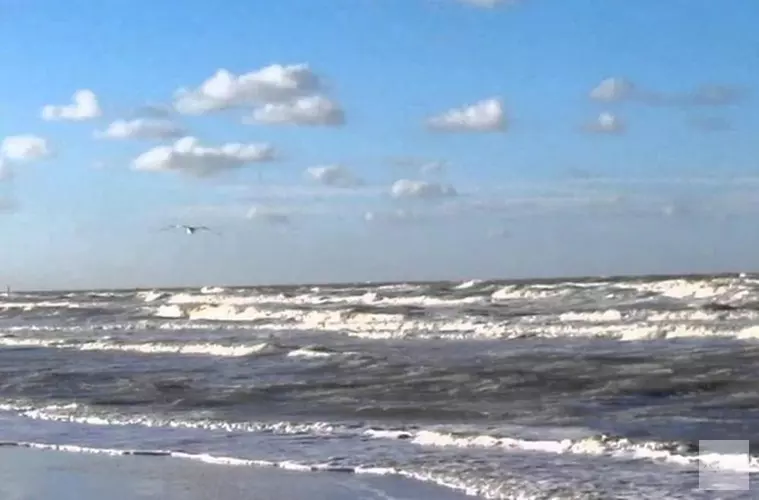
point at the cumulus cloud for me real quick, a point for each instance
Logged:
(311, 110)
(333, 175)
(84, 106)
(141, 128)
(24, 148)
(272, 84)
(186, 155)
(607, 123)
(484, 116)
(613, 89)
(269, 216)
(406, 188)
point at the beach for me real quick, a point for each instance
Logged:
(28, 474)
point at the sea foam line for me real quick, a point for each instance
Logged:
(202, 457)
(485, 490)
(288, 465)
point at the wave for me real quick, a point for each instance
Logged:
(210, 349)
(374, 297)
(626, 310)
(614, 324)
(679, 453)
(626, 326)
(81, 414)
(183, 348)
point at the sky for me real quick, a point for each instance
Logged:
(375, 140)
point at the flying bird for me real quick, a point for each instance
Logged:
(189, 229)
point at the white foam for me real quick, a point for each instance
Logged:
(47, 304)
(729, 290)
(373, 297)
(468, 284)
(305, 352)
(607, 316)
(200, 457)
(633, 326)
(619, 448)
(209, 349)
(153, 295)
(79, 414)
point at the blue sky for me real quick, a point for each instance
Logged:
(620, 138)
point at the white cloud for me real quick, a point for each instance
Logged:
(272, 84)
(186, 155)
(607, 123)
(269, 216)
(85, 106)
(484, 116)
(333, 175)
(24, 148)
(613, 89)
(141, 128)
(406, 188)
(311, 110)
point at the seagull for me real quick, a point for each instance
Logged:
(189, 229)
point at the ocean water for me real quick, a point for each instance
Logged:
(585, 389)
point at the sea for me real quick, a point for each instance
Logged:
(592, 388)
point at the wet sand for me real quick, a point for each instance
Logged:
(28, 474)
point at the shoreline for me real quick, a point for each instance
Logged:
(43, 474)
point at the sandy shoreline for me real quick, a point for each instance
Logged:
(28, 474)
